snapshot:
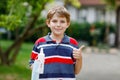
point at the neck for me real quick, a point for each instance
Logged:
(57, 38)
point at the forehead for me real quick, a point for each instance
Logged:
(56, 16)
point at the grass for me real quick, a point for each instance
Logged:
(20, 70)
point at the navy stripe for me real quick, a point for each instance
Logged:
(58, 50)
(55, 75)
(59, 68)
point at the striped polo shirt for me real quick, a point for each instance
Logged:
(59, 61)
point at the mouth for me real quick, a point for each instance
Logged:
(58, 29)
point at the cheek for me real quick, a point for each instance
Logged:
(65, 26)
(52, 24)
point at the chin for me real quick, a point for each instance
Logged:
(58, 33)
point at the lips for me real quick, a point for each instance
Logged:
(57, 29)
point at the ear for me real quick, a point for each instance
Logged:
(68, 24)
(48, 23)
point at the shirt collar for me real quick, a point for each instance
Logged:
(65, 39)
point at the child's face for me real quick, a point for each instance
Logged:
(58, 25)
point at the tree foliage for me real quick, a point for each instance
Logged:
(75, 3)
(15, 12)
(111, 4)
(19, 13)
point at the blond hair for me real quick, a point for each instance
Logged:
(60, 11)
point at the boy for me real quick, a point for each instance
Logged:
(63, 59)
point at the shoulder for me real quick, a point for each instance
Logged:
(40, 40)
(73, 41)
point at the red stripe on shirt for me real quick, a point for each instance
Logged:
(40, 40)
(34, 56)
(58, 60)
(73, 41)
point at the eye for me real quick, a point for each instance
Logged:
(62, 21)
(54, 21)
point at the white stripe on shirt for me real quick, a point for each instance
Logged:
(57, 57)
(45, 45)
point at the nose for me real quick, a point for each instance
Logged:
(58, 24)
